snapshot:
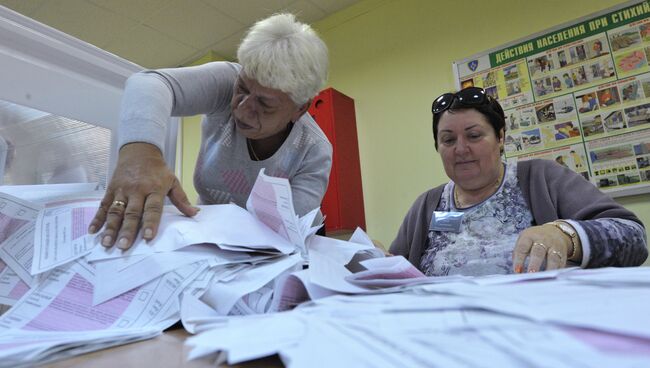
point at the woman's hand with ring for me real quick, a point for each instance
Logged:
(136, 195)
(541, 244)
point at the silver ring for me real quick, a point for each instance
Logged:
(556, 252)
(541, 245)
(120, 204)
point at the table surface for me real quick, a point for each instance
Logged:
(165, 351)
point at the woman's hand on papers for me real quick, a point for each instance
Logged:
(541, 244)
(135, 196)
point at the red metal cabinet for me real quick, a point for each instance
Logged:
(343, 202)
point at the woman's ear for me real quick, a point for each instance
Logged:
(502, 134)
(301, 110)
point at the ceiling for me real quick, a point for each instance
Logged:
(166, 33)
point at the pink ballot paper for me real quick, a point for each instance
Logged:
(271, 203)
(63, 302)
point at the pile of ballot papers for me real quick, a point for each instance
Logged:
(238, 279)
(566, 318)
(68, 294)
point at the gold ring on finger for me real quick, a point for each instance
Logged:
(541, 245)
(119, 204)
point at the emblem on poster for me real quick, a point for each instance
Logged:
(473, 65)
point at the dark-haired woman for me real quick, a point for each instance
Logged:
(494, 217)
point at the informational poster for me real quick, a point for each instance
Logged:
(578, 94)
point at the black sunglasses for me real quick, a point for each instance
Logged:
(470, 96)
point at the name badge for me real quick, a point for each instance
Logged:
(446, 221)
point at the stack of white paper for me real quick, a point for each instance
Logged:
(59, 279)
(26, 348)
(559, 319)
(340, 267)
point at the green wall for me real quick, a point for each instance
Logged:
(395, 57)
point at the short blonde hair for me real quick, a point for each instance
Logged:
(281, 53)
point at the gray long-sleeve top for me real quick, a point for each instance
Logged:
(224, 171)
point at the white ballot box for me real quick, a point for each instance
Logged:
(59, 106)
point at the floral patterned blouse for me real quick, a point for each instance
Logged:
(488, 233)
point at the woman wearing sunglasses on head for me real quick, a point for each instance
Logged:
(254, 117)
(498, 218)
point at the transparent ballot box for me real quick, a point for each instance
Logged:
(59, 106)
(42, 148)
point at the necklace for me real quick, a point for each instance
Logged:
(460, 204)
(456, 200)
(273, 145)
(252, 150)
